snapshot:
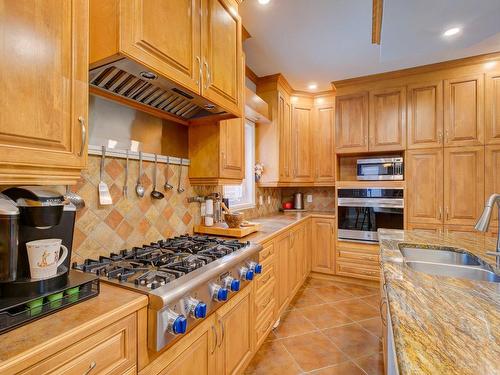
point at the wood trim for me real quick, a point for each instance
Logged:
(295, 184)
(278, 79)
(244, 34)
(377, 12)
(213, 181)
(417, 70)
(250, 74)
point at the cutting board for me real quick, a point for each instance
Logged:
(222, 229)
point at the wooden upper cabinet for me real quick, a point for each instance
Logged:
(424, 173)
(323, 245)
(351, 123)
(425, 115)
(464, 111)
(387, 119)
(463, 184)
(164, 35)
(302, 144)
(285, 138)
(324, 150)
(232, 148)
(492, 178)
(492, 102)
(222, 54)
(44, 81)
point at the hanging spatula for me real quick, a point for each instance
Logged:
(104, 195)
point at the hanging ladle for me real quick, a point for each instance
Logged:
(155, 194)
(167, 186)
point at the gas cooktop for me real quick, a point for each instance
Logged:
(158, 263)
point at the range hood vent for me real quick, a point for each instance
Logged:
(127, 79)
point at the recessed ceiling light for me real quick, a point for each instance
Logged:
(452, 31)
(264, 2)
(312, 86)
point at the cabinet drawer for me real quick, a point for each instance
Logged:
(109, 351)
(361, 271)
(264, 299)
(264, 325)
(350, 255)
(262, 280)
(266, 252)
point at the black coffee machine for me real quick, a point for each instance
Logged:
(33, 213)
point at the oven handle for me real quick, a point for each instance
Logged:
(361, 202)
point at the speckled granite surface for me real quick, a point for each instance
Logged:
(441, 325)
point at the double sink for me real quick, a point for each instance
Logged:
(447, 262)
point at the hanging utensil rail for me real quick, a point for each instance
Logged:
(122, 154)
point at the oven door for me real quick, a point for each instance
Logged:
(359, 219)
(380, 169)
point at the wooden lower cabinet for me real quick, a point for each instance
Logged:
(323, 245)
(358, 260)
(235, 326)
(282, 244)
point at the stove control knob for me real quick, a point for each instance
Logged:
(232, 284)
(197, 309)
(220, 293)
(255, 267)
(177, 323)
(246, 273)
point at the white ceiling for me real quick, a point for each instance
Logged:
(326, 40)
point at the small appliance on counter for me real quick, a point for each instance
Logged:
(380, 169)
(297, 205)
(35, 278)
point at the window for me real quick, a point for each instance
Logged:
(243, 196)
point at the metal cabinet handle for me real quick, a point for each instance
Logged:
(447, 136)
(222, 333)
(200, 71)
(91, 367)
(440, 137)
(207, 83)
(440, 213)
(83, 129)
(447, 214)
(214, 331)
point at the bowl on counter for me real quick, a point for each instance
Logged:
(233, 220)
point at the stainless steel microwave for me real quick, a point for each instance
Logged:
(376, 169)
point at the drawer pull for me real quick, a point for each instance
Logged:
(214, 331)
(264, 305)
(265, 254)
(83, 129)
(263, 282)
(91, 367)
(383, 302)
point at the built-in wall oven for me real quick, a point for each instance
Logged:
(361, 212)
(377, 169)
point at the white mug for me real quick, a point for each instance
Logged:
(44, 257)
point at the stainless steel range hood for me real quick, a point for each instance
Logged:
(130, 80)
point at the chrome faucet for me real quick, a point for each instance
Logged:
(483, 223)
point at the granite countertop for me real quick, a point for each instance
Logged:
(275, 224)
(441, 325)
(63, 328)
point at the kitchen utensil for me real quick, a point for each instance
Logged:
(104, 194)
(44, 257)
(155, 194)
(139, 189)
(233, 220)
(180, 189)
(298, 201)
(225, 208)
(74, 199)
(125, 186)
(167, 186)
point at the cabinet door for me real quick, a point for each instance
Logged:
(351, 123)
(463, 184)
(302, 144)
(425, 115)
(235, 323)
(426, 228)
(492, 102)
(164, 35)
(293, 272)
(44, 81)
(387, 119)
(285, 140)
(492, 179)
(232, 148)
(463, 111)
(424, 173)
(301, 256)
(324, 148)
(282, 245)
(323, 244)
(222, 54)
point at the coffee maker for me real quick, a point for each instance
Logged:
(34, 213)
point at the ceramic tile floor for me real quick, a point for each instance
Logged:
(330, 328)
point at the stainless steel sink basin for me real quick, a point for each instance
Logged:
(465, 272)
(439, 256)
(447, 262)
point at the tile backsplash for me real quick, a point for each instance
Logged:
(323, 197)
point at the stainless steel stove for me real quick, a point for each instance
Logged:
(185, 277)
